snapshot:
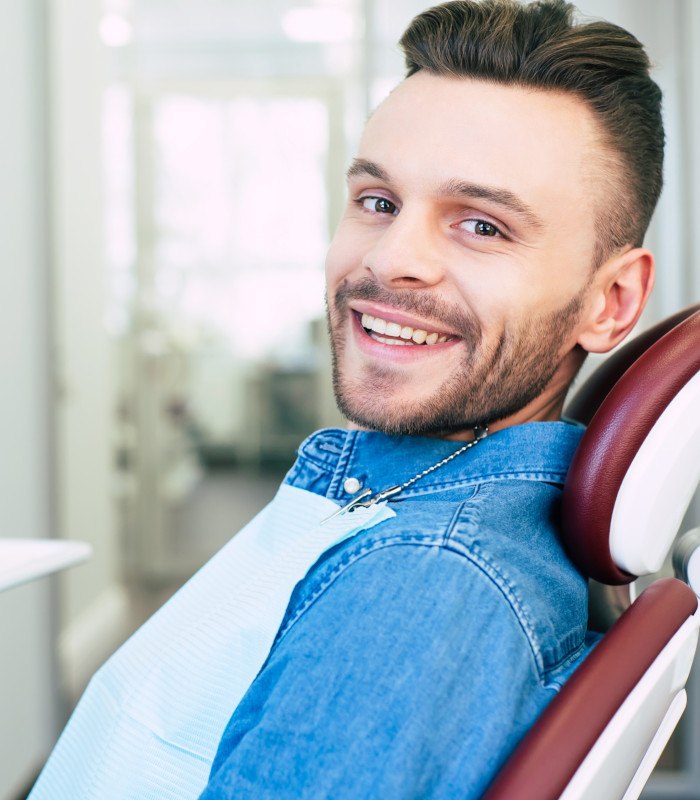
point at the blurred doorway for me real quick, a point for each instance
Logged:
(222, 360)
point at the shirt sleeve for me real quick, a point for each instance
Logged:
(406, 674)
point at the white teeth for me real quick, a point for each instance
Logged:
(411, 335)
(383, 340)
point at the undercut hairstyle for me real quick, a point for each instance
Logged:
(540, 45)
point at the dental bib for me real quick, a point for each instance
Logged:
(149, 723)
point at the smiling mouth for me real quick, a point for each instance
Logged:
(392, 333)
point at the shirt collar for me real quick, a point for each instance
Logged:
(533, 451)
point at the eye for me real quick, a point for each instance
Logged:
(378, 205)
(480, 227)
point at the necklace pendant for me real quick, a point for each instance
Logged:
(383, 495)
(356, 501)
(480, 432)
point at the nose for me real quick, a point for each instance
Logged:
(406, 254)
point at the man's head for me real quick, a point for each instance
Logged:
(499, 199)
(540, 46)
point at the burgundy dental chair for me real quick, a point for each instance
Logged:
(630, 483)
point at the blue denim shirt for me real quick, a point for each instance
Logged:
(413, 656)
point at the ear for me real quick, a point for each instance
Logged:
(620, 289)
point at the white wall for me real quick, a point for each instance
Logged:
(55, 403)
(27, 697)
(94, 604)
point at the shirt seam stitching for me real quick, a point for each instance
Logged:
(474, 553)
(489, 477)
(342, 465)
(476, 559)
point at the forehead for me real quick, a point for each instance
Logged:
(541, 145)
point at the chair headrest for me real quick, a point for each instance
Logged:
(637, 466)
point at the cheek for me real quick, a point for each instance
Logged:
(341, 258)
(348, 248)
(495, 297)
(514, 293)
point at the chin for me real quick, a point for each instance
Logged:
(398, 415)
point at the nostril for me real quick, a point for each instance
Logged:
(407, 281)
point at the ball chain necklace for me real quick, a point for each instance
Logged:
(367, 498)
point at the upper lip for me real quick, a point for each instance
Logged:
(396, 315)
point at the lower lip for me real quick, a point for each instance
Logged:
(394, 352)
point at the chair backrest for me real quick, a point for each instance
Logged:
(602, 734)
(637, 467)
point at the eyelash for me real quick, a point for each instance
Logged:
(360, 201)
(498, 235)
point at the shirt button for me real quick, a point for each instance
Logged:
(352, 486)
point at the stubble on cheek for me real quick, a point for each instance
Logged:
(488, 382)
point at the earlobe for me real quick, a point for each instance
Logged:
(620, 292)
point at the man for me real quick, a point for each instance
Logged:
(492, 237)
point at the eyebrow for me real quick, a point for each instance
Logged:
(457, 188)
(361, 166)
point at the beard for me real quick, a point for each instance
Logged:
(494, 380)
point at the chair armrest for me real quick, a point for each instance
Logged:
(550, 754)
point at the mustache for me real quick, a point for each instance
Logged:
(418, 301)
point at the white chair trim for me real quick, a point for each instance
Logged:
(694, 572)
(658, 486)
(630, 745)
(656, 748)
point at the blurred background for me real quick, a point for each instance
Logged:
(172, 172)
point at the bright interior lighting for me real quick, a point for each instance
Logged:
(115, 31)
(318, 24)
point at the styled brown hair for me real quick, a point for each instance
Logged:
(539, 45)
